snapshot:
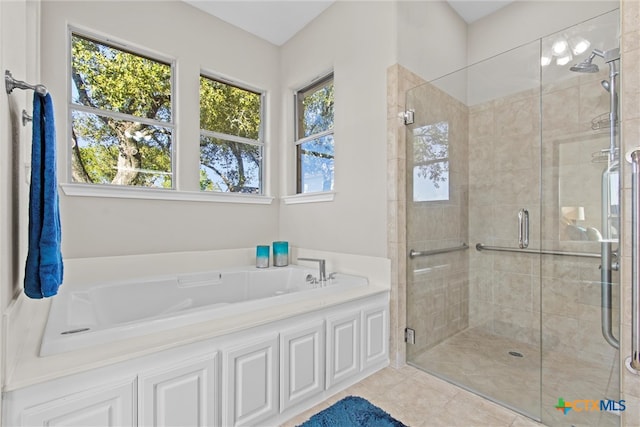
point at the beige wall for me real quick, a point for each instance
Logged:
(438, 285)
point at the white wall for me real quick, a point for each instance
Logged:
(357, 41)
(19, 30)
(432, 38)
(106, 227)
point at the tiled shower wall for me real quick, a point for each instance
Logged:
(504, 176)
(438, 286)
(630, 129)
(399, 81)
(573, 138)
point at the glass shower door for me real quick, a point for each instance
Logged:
(580, 176)
(512, 227)
(473, 177)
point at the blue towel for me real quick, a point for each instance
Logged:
(44, 267)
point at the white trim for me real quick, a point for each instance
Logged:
(314, 136)
(324, 196)
(121, 192)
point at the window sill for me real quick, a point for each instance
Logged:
(91, 190)
(327, 196)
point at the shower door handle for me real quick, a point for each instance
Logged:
(523, 228)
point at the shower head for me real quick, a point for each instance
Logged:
(586, 66)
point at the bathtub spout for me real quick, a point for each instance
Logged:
(322, 269)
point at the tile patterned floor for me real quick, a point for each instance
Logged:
(422, 400)
(482, 362)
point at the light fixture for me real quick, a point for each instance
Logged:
(546, 54)
(579, 45)
(563, 49)
(564, 60)
(560, 46)
(545, 60)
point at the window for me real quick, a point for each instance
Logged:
(121, 115)
(431, 162)
(231, 141)
(314, 137)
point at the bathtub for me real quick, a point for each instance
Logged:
(105, 312)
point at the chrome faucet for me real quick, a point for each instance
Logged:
(321, 265)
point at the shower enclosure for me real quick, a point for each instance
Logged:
(512, 227)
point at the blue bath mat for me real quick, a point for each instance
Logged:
(352, 411)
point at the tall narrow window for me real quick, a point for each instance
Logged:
(231, 141)
(121, 116)
(314, 137)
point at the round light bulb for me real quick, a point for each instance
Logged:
(564, 60)
(559, 47)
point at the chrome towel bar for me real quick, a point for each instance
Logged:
(415, 254)
(10, 84)
(481, 247)
(633, 362)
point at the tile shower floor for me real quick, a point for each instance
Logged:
(481, 361)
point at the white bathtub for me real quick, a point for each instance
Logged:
(105, 312)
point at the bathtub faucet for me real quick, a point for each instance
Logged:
(322, 268)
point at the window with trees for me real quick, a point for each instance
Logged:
(231, 138)
(121, 114)
(314, 137)
(431, 162)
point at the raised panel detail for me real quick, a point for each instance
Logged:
(375, 336)
(302, 364)
(343, 345)
(182, 395)
(252, 381)
(108, 406)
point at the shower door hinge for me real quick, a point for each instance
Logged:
(409, 336)
(408, 117)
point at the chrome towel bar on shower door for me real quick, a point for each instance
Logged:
(414, 254)
(633, 362)
(481, 247)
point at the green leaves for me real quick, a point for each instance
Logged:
(228, 109)
(111, 149)
(225, 163)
